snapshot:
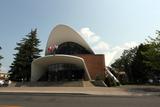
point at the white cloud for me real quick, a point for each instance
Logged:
(101, 47)
(86, 32)
(118, 50)
(130, 44)
(95, 38)
(90, 36)
(109, 56)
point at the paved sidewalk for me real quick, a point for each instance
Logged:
(127, 90)
(116, 91)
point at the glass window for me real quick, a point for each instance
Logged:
(71, 48)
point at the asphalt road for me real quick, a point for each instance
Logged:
(75, 100)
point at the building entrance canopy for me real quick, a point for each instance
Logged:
(40, 65)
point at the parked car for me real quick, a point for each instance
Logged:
(4, 83)
(1, 83)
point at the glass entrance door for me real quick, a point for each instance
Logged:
(64, 72)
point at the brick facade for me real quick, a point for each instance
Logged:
(95, 65)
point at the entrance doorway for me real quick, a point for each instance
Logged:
(63, 72)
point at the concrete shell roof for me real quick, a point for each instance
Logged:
(63, 33)
(40, 65)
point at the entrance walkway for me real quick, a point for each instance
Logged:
(109, 91)
(69, 90)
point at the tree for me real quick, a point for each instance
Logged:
(152, 56)
(141, 63)
(125, 61)
(153, 53)
(138, 68)
(27, 51)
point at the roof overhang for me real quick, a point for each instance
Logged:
(63, 33)
(40, 65)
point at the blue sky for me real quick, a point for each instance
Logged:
(108, 25)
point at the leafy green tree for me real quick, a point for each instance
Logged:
(125, 61)
(27, 51)
(152, 56)
(141, 63)
(138, 68)
(153, 53)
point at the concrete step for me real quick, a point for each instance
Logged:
(49, 84)
(99, 83)
(87, 84)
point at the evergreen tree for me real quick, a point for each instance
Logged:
(27, 51)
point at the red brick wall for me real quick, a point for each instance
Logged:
(95, 65)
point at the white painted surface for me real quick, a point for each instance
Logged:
(63, 33)
(40, 65)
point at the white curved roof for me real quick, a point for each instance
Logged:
(63, 33)
(40, 65)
